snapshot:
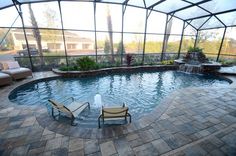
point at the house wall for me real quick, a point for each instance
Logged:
(20, 45)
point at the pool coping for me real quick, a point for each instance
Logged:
(114, 70)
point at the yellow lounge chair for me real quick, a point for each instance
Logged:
(72, 110)
(111, 113)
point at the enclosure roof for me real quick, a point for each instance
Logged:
(201, 14)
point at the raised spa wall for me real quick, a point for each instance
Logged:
(115, 70)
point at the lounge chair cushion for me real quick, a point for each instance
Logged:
(73, 109)
(76, 107)
(114, 112)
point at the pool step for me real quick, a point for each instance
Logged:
(88, 118)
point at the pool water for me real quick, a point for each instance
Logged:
(140, 91)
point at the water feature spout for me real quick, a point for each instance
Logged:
(97, 100)
(190, 68)
(196, 62)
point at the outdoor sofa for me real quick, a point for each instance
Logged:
(5, 79)
(11, 67)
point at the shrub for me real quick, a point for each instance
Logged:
(194, 49)
(195, 54)
(69, 68)
(167, 62)
(86, 63)
(227, 62)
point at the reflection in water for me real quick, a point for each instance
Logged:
(111, 84)
(140, 91)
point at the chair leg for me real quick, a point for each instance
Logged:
(99, 126)
(53, 113)
(72, 121)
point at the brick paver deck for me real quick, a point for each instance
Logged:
(190, 121)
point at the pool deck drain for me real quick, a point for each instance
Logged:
(190, 121)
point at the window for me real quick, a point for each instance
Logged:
(54, 46)
(75, 41)
(86, 46)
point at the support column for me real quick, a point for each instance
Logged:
(163, 44)
(26, 40)
(181, 40)
(122, 33)
(95, 29)
(221, 44)
(63, 33)
(145, 34)
(196, 38)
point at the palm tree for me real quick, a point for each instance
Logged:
(36, 33)
(109, 25)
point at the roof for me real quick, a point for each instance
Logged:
(70, 37)
(201, 14)
(29, 31)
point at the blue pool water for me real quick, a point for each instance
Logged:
(141, 91)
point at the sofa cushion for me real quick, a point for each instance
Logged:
(1, 66)
(4, 65)
(3, 75)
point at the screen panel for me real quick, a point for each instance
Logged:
(8, 16)
(133, 24)
(191, 12)
(212, 23)
(215, 6)
(228, 18)
(78, 15)
(47, 15)
(108, 17)
(171, 5)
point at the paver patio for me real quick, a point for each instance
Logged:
(190, 121)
